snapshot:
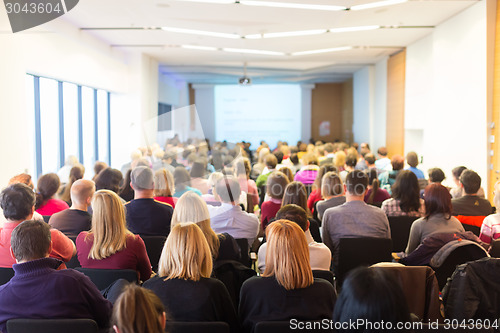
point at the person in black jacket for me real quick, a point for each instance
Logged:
(183, 283)
(286, 290)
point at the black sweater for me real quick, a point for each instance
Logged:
(187, 300)
(263, 299)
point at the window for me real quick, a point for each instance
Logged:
(70, 119)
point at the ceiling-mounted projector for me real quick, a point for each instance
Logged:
(244, 81)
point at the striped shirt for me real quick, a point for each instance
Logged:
(490, 230)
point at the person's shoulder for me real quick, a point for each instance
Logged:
(161, 203)
(154, 281)
(323, 285)
(253, 282)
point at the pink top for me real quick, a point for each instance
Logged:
(62, 246)
(133, 256)
(268, 211)
(52, 206)
(170, 200)
(306, 177)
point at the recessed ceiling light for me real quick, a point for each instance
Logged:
(291, 5)
(201, 32)
(377, 4)
(250, 51)
(198, 47)
(334, 49)
(360, 28)
(287, 34)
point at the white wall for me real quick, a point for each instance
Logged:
(66, 53)
(364, 104)
(380, 106)
(445, 93)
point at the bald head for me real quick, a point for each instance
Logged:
(81, 192)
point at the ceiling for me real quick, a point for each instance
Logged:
(124, 21)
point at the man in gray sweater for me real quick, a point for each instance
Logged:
(355, 218)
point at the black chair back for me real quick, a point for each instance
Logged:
(196, 327)
(232, 273)
(291, 326)
(400, 231)
(102, 278)
(474, 229)
(74, 262)
(154, 246)
(325, 275)
(356, 252)
(6, 273)
(495, 249)
(244, 251)
(460, 255)
(46, 218)
(52, 326)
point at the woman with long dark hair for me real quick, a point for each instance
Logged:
(405, 199)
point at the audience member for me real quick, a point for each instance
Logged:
(243, 169)
(70, 162)
(75, 174)
(330, 155)
(138, 310)
(470, 208)
(134, 157)
(229, 217)
(192, 208)
(108, 244)
(287, 172)
(276, 184)
(98, 167)
(182, 182)
(437, 217)
(213, 179)
(405, 199)
(184, 284)
(18, 204)
(458, 191)
(436, 175)
(375, 195)
(164, 187)
(24, 178)
(47, 187)
(287, 288)
(490, 230)
(296, 194)
(371, 296)
(270, 165)
(354, 218)
(412, 160)
(197, 173)
(339, 161)
(332, 190)
(387, 179)
(76, 219)
(383, 163)
(320, 256)
(39, 290)
(260, 165)
(146, 216)
(109, 179)
(307, 174)
(126, 191)
(350, 164)
(316, 193)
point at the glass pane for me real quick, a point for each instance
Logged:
(88, 131)
(70, 104)
(102, 118)
(49, 115)
(30, 109)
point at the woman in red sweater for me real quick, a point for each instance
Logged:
(276, 184)
(47, 187)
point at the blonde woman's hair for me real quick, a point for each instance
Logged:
(164, 183)
(108, 225)
(138, 310)
(287, 256)
(340, 157)
(192, 208)
(186, 254)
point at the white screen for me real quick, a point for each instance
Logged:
(259, 112)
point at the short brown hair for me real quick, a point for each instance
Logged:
(398, 162)
(271, 161)
(331, 184)
(276, 184)
(294, 213)
(30, 240)
(23, 178)
(356, 182)
(471, 181)
(412, 159)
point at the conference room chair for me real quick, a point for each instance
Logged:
(289, 327)
(6, 273)
(197, 327)
(52, 326)
(74, 262)
(460, 255)
(46, 218)
(325, 275)
(232, 273)
(495, 249)
(244, 251)
(400, 231)
(154, 246)
(357, 252)
(102, 278)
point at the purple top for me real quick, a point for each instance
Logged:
(306, 177)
